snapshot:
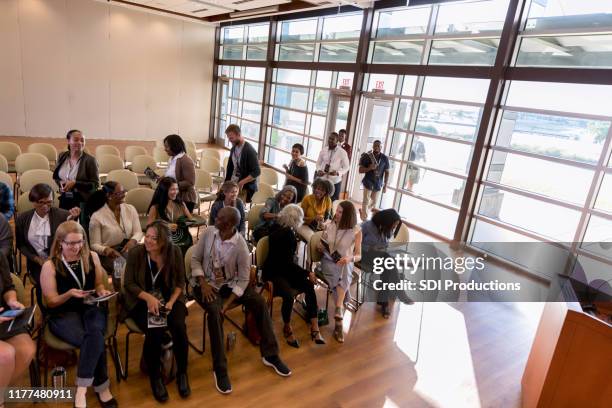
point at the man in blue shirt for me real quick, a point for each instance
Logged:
(7, 203)
(375, 165)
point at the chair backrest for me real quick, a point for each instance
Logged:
(30, 161)
(108, 163)
(140, 198)
(24, 204)
(107, 149)
(18, 288)
(191, 152)
(160, 155)
(3, 164)
(253, 216)
(126, 178)
(225, 161)
(132, 151)
(261, 252)
(313, 253)
(6, 179)
(269, 176)
(141, 162)
(189, 144)
(212, 153)
(46, 149)
(335, 204)
(10, 150)
(264, 191)
(402, 235)
(32, 177)
(211, 165)
(203, 181)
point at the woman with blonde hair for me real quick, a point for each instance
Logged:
(71, 273)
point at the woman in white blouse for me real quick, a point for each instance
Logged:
(114, 227)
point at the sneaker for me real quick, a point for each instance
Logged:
(222, 383)
(277, 364)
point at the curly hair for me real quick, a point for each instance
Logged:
(323, 184)
(291, 216)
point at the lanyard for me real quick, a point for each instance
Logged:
(80, 285)
(153, 277)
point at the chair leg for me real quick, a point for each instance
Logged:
(127, 354)
(34, 373)
(112, 346)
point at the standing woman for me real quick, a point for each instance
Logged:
(182, 169)
(76, 172)
(344, 240)
(114, 227)
(154, 282)
(17, 349)
(297, 173)
(68, 276)
(167, 205)
(228, 197)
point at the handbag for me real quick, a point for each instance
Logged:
(181, 237)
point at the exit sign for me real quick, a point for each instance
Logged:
(346, 81)
(379, 85)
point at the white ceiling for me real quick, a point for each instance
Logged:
(208, 8)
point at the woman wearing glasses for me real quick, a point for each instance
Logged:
(70, 274)
(35, 230)
(114, 227)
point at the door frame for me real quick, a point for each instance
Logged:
(222, 81)
(332, 111)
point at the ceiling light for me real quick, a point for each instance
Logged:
(254, 12)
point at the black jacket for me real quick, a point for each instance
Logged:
(248, 165)
(87, 179)
(22, 226)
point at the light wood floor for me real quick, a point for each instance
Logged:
(459, 355)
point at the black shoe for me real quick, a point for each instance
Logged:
(277, 364)
(222, 382)
(292, 343)
(111, 403)
(159, 389)
(182, 383)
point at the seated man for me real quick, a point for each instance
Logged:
(220, 267)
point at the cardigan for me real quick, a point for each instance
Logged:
(87, 178)
(6, 282)
(247, 166)
(136, 267)
(22, 227)
(185, 177)
(104, 231)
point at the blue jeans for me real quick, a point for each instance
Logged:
(85, 329)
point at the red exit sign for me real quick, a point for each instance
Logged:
(379, 85)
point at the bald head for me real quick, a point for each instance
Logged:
(227, 219)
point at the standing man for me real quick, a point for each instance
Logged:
(243, 165)
(332, 164)
(375, 165)
(342, 139)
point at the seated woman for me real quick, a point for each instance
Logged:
(297, 172)
(228, 197)
(289, 279)
(344, 240)
(70, 274)
(167, 205)
(317, 208)
(269, 213)
(17, 348)
(377, 232)
(114, 227)
(154, 283)
(35, 230)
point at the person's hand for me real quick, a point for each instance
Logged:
(74, 213)
(208, 294)
(384, 189)
(312, 277)
(285, 167)
(269, 216)
(69, 185)
(78, 293)
(241, 184)
(319, 173)
(168, 306)
(153, 304)
(173, 227)
(333, 173)
(319, 218)
(130, 244)
(15, 305)
(345, 260)
(111, 253)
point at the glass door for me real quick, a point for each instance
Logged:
(373, 125)
(337, 114)
(222, 110)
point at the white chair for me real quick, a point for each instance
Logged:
(24, 204)
(160, 156)
(107, 149)
(269, 176)
(6, 179)
(10, 151)
(204, 188)
(108, 163)
(46, 149)
(264, 191)
(133, 151)
(140, 164)
(253, 218)
(213, 166)
(30, 161)
(191, 152)
(36, 176)
(3, 164)
(211, 153)
(126, 178)
(335, 204)
(140, 198)
(402, 235)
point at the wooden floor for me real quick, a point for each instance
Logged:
(426, 355)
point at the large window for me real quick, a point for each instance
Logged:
(248, 42)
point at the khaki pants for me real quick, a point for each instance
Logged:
(370, 199)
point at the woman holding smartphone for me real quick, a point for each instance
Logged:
(71, 273)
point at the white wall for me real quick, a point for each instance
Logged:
(113, 72)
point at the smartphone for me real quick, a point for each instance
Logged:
(11, 313)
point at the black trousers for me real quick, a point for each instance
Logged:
(153, 337)
(254, 303)
(190, 206)
(288, 289)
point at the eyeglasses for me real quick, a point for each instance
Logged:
(73, 243)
